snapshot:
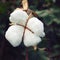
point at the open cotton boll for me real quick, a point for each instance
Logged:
(18, 16)
(14, 35)
(30, 39)
(36, 26)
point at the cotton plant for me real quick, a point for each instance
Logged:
(30, 30)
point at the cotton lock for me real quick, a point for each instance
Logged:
(14, 35)
(36, 26)
(18, 17)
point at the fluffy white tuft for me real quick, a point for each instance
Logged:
(31, 39)
(14, 35)
(36, 26)
(18, 16)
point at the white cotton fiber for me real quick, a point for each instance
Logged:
(18, 16)
(36, 26)
(31, 39)
(14, 35)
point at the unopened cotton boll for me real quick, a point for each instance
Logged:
(31, 39)
(18, 16)
(36, 26)
(14, 35)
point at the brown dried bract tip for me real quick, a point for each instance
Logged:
(25, 4)
(42, 49)
(35, 48)
(12, 23)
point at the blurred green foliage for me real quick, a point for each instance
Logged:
(50, 15)
(3, 7)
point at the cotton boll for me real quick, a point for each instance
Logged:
(36, 26)
(18, 16)
(30, 39)
(14, 35)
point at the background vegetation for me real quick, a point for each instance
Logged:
(48, 12)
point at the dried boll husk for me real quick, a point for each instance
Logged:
(31, 39)
(36, 26)
(14, 35)
(18, 16)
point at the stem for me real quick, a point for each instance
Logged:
(27, 54)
